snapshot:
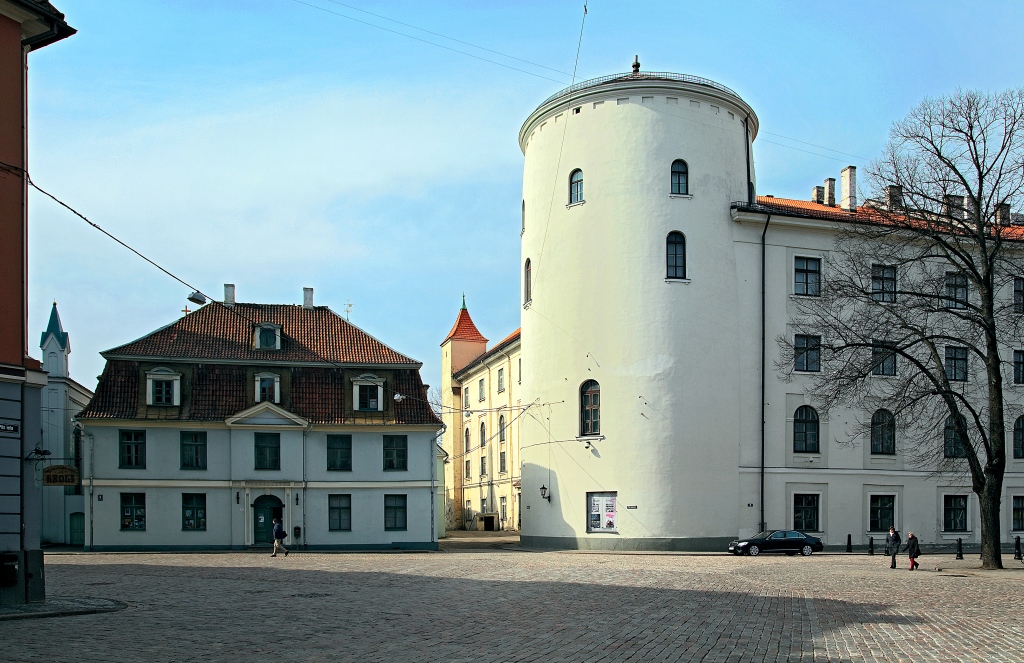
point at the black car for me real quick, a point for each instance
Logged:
(786, 541)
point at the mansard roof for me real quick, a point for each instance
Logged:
(217, 392)
(219, 332)
(56, 329)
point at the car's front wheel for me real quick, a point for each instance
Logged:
(754, 551)
(806, 551)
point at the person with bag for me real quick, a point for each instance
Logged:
(892, 545)
(280, 535)
(913, 549)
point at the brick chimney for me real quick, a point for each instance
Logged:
(953, 206)
(830, 191)
(894, 197)
(229, 294)
(307, 298)
(818, 194)
(849, 189)
(1003, 214)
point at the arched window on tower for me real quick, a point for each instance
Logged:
(675, 254)
(883, 433)
(576, 186)
(680, 178)
(805, 430)
(590, 408)
(501, 428)
(527, 285)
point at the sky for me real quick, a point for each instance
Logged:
(282, 144)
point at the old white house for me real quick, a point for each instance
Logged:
(204, 431)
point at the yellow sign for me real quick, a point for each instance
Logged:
(60, 475)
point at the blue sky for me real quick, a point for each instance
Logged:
(274, 145)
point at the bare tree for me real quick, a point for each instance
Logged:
(920, 306)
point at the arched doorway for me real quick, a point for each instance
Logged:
(264, 510)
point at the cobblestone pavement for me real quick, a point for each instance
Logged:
(514, 605)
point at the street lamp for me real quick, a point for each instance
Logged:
(544, 493)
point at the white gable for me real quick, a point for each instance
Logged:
(266, 414)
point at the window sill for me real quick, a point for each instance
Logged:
(335, 469)
(394, 470)
(193, 469)
(799, 372)
(603, 531)
(589, 438)
(342, 531)
(685, 281)
(952, 536)
(192, 530)
(122, 467)
(680, 195)
(576, 204)
(799, 296)
(501, 391)
(266, 469)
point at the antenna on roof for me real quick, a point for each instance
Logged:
(348, 310)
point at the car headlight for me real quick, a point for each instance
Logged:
(743, 543)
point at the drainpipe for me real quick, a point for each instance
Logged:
(746, 147)
(305, 532)
(92, 482)
(764, 354)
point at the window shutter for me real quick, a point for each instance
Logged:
(277, 388)
(256, 390)
(176, 396)
(380, 398)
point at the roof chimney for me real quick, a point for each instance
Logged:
(1003, 214)
(849, 184)
(830, 191)
(229, 294)
(953, 206)
(307, 298)
(818, 194)
(894, 197)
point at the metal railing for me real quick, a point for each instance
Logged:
(643, 75)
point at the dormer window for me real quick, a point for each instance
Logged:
(267, 337)
(368, 391)
(163, 387)
(268, 388)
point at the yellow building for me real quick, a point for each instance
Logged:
(481, 405)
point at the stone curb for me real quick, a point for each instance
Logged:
(30, 611)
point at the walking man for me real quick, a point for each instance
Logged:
(913, 550)
(280, 534)
(892, 545)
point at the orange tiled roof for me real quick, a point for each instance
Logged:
(215, 332)
(502, 344)
(464, 329)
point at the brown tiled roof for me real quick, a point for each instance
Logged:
(464, 329)
(217, 391)
(502, 344)
(216, 332)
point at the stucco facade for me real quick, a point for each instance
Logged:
(671, 346)
(481, 408)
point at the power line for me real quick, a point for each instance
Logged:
(427, 41)
(438, 34)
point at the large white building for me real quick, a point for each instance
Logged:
(204, 431)
(643, 250)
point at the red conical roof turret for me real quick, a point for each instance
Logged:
(464, 329)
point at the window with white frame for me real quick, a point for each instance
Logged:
(268, 388)
(481, 393)
(601, 512)
(368, 393)
(267, 336)
(465, 398)
(501, 379)
(807, 276)
(163, 387)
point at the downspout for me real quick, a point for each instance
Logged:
(305, 533)
(746, 147)
(30, 43)
(92, 483)
(764, 355)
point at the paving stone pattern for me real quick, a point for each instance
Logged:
(514, 605)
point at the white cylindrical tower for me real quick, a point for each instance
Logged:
(630, 313)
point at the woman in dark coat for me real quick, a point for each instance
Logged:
(913, 550)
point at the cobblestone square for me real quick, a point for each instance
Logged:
(506, 604)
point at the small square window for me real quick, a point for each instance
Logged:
(268, 394)
(807, 277)
(369, 397)
(163, 392)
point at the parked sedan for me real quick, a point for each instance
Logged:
(786, 541)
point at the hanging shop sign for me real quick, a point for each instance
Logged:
(60, 475)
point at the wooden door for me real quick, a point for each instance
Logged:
(78, 529)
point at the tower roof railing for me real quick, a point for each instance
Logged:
(641, 76)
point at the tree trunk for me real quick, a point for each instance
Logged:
(989, 498)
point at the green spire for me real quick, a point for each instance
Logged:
(463, 301)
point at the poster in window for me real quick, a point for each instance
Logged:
(602, 514)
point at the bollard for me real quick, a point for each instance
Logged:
(849, 543)
(1016, 547)
(871, 545)
(959, 548)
